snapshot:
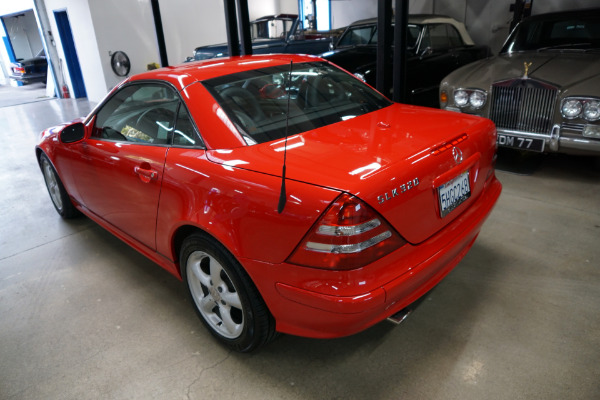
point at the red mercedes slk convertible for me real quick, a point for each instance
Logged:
(287, 194)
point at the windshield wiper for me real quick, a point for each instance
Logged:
(564, 46)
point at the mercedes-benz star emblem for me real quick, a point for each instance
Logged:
(457, 154)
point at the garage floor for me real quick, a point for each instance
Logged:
(82, 316)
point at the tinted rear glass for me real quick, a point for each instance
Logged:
(318, 95)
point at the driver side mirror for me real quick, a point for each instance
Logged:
(72, 133)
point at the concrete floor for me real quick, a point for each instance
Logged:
(82, 316)
(32, 92)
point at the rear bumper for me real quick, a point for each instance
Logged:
(30, 77)
(305, 301)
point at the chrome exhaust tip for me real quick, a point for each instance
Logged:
(400, 316)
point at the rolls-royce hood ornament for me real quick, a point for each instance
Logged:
(526, 65)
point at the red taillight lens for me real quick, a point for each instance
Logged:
(348, 235)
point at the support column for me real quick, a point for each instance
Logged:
(233, 40)
(160, 35)
(384, 46)
(244, 23)
(400, 41)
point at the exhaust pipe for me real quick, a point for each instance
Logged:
(400, 316)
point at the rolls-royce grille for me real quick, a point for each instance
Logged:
(523, 105)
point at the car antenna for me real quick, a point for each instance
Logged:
(282, 193)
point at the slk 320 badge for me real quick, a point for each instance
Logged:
(397, 191)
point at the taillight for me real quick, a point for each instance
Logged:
(349, 235)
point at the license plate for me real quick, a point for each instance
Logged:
(452, 194)
(516, 142)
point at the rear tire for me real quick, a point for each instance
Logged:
(58, 194)
(223, 295)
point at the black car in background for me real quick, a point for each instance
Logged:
(436, 45)
(30, 70)
(282, 33)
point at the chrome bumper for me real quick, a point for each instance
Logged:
(557, 142)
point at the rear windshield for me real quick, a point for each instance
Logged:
(556, 33)
(318, 95)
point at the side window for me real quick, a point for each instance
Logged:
(143, 113)
(454, 37)
(184, 133)
(438, 37)
(356, 36)
(413, 36)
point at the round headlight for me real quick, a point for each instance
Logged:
(461, 98)
(477, 99)
(571, 108)
(591, 110)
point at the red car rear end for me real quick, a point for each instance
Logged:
(378, 203)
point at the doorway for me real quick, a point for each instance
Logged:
(23, 42)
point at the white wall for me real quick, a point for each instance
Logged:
(128, 26)
(489, 23)
(203, 22)
(103, 26)
(200, 23)
(85, 40)
(260, 8)
(344, 12)
(282, 6)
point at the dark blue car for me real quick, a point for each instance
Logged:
(282, 33)
(33, 69)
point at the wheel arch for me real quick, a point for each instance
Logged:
(38, 156)
(184, 231)
(179, 236)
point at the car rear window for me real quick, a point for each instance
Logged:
(318, 94)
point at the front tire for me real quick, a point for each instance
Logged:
(58, 194)
(223, 295)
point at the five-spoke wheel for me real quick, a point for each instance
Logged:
(215, 295)
(224, 296)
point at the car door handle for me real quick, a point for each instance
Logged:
(146, 175)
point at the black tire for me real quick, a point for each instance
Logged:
(56, 190)
(223, 295)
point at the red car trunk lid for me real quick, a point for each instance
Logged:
(394, 165)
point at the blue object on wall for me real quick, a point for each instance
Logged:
(68, 44)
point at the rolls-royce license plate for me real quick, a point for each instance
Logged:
(516, 142)
(453, 193)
